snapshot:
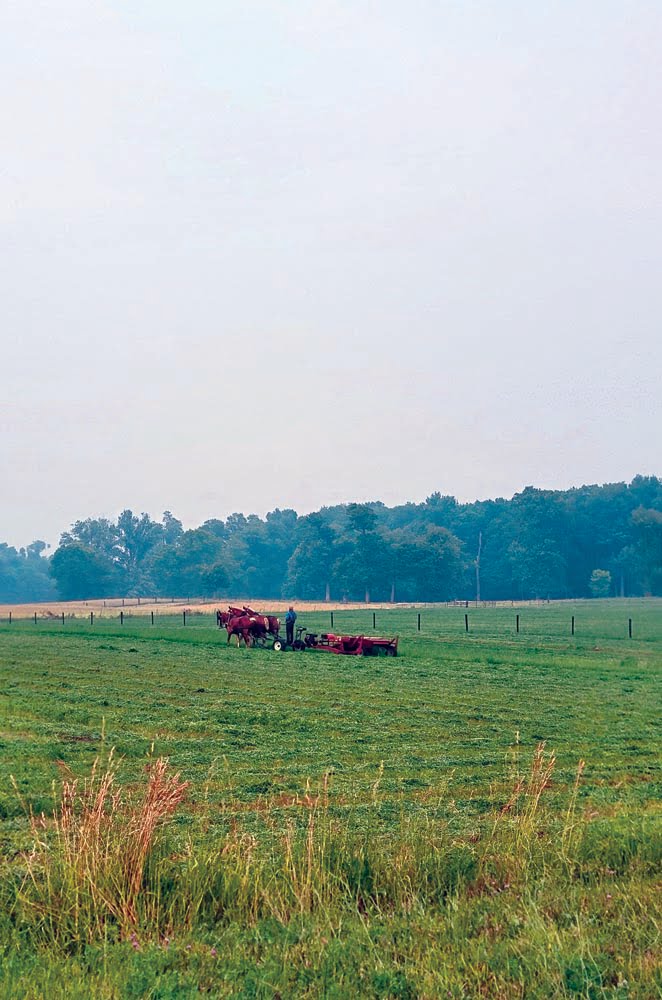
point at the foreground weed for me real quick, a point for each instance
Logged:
(91, 868)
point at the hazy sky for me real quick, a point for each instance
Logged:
(261, 254)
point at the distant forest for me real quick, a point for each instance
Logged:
(593, 541)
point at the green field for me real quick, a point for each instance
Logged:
(353, 826)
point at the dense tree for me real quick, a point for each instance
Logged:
(541, 543)
(648, 528)
(24, 574)
(80, 573)
(136, 536)
(362, 567)
(309, 568)
(361, 517)
(183, 568)
(426, 565)
(95, 533)
(172, 528)
(600, 583)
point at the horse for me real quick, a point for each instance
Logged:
(246, 627)
(223, 617)
(272, 624)
(246, 619)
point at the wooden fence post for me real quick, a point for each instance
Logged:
(419, 621)
(517, 623)
(91, 617)
(466, 623)
(121, 617)
(572, 625)
(630, 627)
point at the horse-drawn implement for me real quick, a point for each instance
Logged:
(264, 631)
(346, 645)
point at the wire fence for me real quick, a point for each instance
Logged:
(632, 620)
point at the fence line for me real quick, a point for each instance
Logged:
(417, 623)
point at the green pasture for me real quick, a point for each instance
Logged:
(417, 757)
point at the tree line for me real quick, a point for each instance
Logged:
(591, 541)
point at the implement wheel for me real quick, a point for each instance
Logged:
(277, 645)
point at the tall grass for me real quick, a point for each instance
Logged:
(87, 866)
(108, 860)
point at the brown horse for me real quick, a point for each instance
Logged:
(271, 623)
(247, 618)
(246, 627)
(223, 617)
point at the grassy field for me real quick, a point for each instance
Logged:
(478, 817)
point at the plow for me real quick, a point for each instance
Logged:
(263, 631)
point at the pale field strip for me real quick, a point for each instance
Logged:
(133, 606)
(111, 608)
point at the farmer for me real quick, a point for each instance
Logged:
(290, 619)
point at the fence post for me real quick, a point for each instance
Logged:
(332, 619)
(466, 623)
(63, 617)
(184, 615)
(374, 625)
(91, 617)
(517, 623)
(419, 621)
(121, 617)
(152, 617)
(10, 617)
(35, 617)
(630, 627)
(572, 625)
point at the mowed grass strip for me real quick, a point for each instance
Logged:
(408, 767)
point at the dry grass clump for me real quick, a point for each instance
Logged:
(91, 868)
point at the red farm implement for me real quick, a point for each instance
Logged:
(346, 645)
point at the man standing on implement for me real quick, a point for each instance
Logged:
(290, 619)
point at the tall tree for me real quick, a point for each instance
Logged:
(136, 536)
(309, 568)
(80, 573)
(24, 574)
(648, 528)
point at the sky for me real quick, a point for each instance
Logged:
(288, 254)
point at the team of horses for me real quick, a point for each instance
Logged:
(247, 624)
